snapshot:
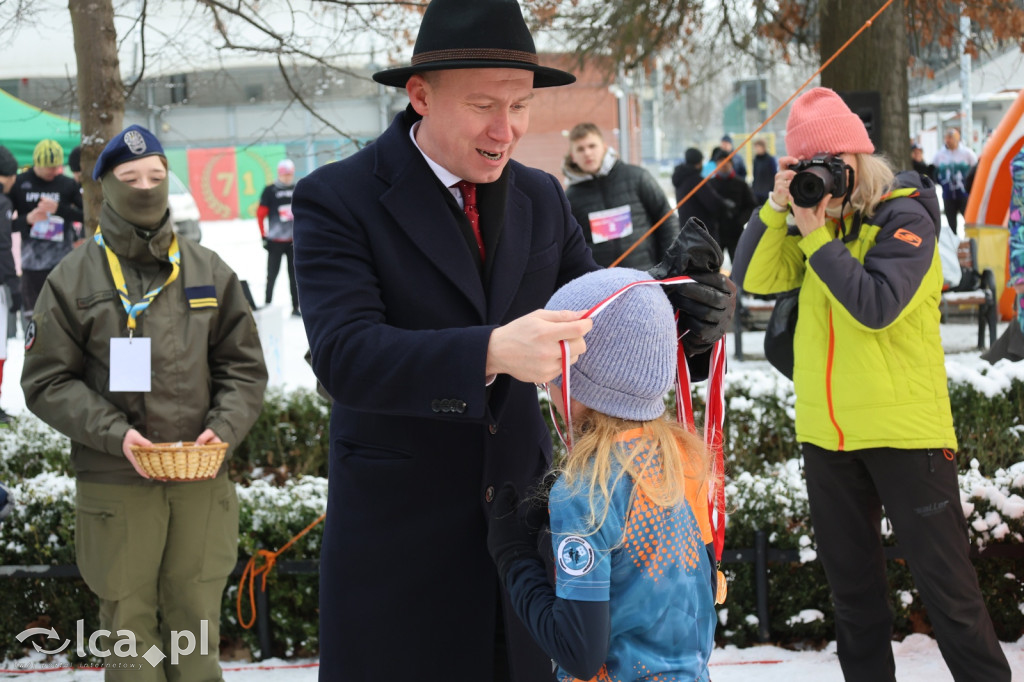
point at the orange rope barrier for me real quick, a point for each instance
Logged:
(751, 136)
(251, 571)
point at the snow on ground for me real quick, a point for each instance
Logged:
(238, 243)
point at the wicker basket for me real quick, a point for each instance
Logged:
(180, 461)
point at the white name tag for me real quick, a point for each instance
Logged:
(130, 364)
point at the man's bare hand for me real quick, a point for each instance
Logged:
(529, 348)
(131, 438)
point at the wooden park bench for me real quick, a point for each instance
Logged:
(752, 313)
(976, 293)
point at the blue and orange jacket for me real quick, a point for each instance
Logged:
(869, 367)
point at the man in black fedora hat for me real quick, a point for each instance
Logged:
(424, 262)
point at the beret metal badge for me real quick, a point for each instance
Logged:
(136, 143)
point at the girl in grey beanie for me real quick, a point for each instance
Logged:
(633, 595)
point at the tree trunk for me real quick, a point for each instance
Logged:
(875, 61)
(100, 91)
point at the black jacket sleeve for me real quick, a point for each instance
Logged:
(657, 206)
(573, 633)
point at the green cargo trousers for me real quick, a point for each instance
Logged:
(158, 558)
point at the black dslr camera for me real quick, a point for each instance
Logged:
(823, 174)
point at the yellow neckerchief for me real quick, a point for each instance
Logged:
(136, 309)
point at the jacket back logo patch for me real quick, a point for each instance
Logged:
(908, 237)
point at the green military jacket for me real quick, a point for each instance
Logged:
(207, 363)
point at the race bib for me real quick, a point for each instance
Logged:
(284, 212)
(51, 229)
(611, 223)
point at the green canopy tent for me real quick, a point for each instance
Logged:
(22, 126)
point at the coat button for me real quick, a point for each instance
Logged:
(435, 405)
(493, 428)
(489, 494)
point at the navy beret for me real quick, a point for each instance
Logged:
(134, 142)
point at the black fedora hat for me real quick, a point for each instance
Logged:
(474, 34)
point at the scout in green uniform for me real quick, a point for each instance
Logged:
(141, 338)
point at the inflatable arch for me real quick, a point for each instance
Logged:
(989, 202)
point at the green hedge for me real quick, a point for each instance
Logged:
(280, 468)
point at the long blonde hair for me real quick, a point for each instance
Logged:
(875, 177)
(588, 468)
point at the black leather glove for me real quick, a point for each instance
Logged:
(266, 243)
(706, 307)
(512, 535)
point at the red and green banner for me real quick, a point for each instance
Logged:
(227, 182)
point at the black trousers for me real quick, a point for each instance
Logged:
(921, 496)
(954, 207)
(274, 252)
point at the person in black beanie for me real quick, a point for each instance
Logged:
(706, 205)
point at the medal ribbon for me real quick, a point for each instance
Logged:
(136, 309)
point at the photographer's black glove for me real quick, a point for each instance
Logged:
(510, 535)
(706, 307)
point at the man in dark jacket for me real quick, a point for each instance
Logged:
(737, 160)
(615, 202)
(765, 168)
(8, 274)
(705, 204)
(48, 204)
(737, 201)
(423, 263)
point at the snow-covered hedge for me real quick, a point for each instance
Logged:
(279, 469)
(41, 531)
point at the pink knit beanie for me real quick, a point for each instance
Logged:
(819, 121)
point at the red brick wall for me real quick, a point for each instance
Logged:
(554, 111)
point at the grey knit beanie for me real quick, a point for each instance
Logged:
(630, 361)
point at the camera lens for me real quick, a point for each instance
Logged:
(810, 186)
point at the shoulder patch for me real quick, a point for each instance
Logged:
(908, 237)
(575, 555)
(30, 335)
(204, 296)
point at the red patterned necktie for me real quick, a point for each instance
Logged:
(468, 190)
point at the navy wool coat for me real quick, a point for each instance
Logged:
(399, 311)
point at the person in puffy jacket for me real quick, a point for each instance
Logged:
(706, 205)
(872, 406)
(615, 202)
